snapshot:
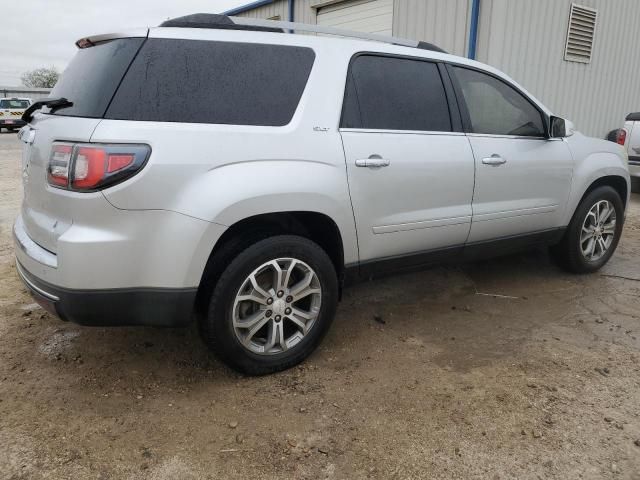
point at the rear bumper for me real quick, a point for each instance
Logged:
(161, 307)
(12, 123)
(634, 166)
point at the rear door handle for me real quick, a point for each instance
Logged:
(494, 160)
(374, 161)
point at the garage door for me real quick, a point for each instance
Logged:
(374, 16)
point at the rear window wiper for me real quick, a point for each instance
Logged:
(52, 103)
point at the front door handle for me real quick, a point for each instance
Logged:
(494, 160)
(374, 161)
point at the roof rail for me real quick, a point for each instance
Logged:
(208, 20)
(211, 20)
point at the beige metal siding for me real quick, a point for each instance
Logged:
(527, 39)
(369, 16)
(302, 11)
(268, 11)
(442, 22)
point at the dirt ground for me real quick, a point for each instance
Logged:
(421, 376)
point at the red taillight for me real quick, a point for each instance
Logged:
(118, 162)
(59, 162)
(621, 137)
(87, 167)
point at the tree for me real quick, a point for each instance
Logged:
(40, 78)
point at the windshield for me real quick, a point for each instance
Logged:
(14, 103)
(93, 76)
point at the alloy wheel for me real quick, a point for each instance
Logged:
(276, 306)
(598, 231)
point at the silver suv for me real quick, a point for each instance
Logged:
(222, 169)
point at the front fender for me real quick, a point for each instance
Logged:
(594, 159)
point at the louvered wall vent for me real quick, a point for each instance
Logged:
(582, 29)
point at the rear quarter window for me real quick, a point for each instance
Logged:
(198, 81)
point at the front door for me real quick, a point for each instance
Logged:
(522, 177)
(410, 175)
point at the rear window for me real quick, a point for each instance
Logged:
(213, 82)
(14, 103)
(93, 76)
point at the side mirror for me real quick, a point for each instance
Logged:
(560, 128)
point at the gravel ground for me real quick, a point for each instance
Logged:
(421, 376)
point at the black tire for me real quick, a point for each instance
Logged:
(568, 253)
(217, 326)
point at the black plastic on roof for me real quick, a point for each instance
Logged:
(633, 117)
(211, 20)
(430, 46)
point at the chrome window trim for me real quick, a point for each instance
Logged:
(401, 132)
(512, 137)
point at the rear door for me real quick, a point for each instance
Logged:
(410, 173)
(522, 177)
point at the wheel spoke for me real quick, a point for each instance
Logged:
(254, 330)
(591, 246)
(287, 277)
(258, 288)
(303, 288)
(598, 212)
(249, 321)
(252, 297)
(602, 245)
(299, 323)
(606, 215)
(587, 233)
(277, 281)
(275, 337)
(301, 318)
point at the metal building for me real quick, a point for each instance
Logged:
(24, 92)
(580, 59)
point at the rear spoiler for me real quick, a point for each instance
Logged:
(87, 42)
(633, 117)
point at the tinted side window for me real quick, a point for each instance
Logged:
(389, 93)
(213, 82)
(93, 75)
(496, 108)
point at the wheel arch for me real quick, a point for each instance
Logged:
(315, 226)
(617, 182)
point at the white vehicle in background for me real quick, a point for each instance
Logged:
(630, 138)
(11, 111)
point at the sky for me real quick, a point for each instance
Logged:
(42, 33)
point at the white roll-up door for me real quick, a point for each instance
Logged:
(373, 16)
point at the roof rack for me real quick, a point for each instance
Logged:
(209, 20)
